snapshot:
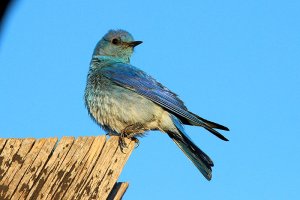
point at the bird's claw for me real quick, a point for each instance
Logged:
(130, 132)
(123, 145)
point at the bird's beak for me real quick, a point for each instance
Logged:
(134, 43)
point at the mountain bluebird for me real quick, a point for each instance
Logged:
(127, 102)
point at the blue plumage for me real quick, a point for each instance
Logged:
(126, 101)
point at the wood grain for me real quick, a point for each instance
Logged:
(82, 168)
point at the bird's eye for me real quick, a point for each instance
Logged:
(116, 41)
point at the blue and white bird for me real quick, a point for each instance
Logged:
(127, 102)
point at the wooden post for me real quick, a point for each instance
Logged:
(82, 168)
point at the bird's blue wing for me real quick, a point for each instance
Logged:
(136, 80)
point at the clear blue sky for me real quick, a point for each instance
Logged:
(233, 62)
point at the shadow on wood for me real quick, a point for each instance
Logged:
(82, 168)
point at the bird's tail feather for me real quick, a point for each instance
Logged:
(194, 153)
(211, 126)
(216, 133)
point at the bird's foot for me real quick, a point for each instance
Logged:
(123, 145)
(130, 132)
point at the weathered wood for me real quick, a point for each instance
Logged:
(71, 168)
(113, 171)
(10, 149)
(28, 160)
(32, 173)
(39, 191)
(17, 161)
(85, 168)
(118, 191)
(2, 143)
(107, 167)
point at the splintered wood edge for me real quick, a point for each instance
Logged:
(115, 168)
(36, 177)
(102, 178)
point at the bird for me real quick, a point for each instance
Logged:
(127, 102)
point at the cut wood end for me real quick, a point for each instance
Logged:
(118, 191)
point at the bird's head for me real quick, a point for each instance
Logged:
(116, 43)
